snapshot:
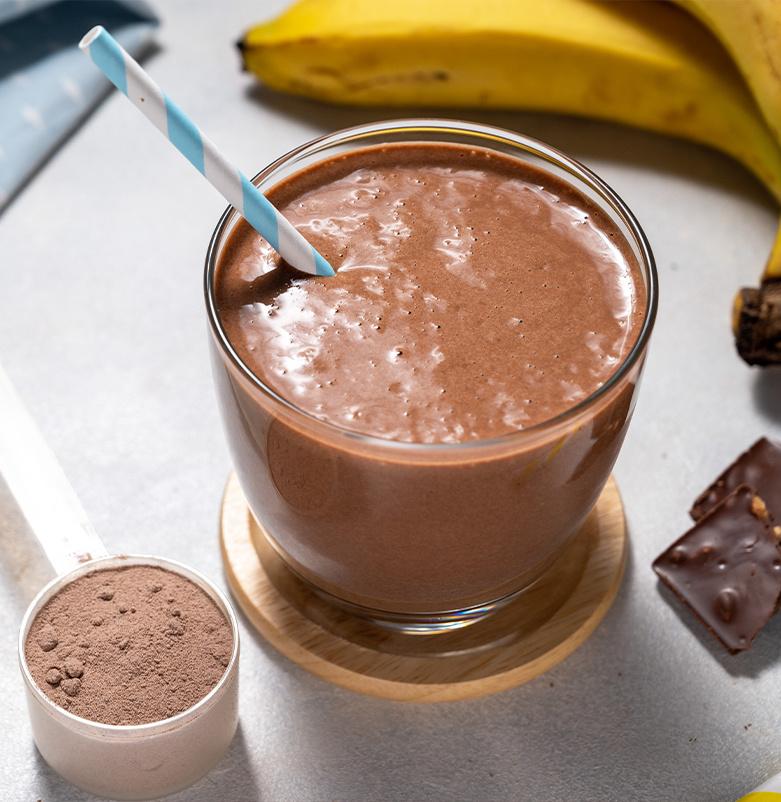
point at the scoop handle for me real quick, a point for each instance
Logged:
(40, 487)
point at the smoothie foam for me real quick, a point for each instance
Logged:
(474, 296)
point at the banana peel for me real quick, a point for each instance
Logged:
(756, 315)
(751, 32)
(649, 65)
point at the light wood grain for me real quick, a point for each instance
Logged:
(529, 636)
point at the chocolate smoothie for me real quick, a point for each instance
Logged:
(476, 297)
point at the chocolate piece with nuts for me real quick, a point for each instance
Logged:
(759, 467)
(727, 569)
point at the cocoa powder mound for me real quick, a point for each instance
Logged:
(128, 645)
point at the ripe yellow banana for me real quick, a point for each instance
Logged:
(644, 64)
(751, 32)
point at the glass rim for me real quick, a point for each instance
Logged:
(488, 133)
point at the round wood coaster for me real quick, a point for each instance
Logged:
(534, 632)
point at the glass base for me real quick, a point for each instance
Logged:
(460, 632)
(414, 623)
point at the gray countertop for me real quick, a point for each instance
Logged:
(103, 331)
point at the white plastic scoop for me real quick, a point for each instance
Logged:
(143, 761)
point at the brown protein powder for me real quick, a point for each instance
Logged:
(128, 645)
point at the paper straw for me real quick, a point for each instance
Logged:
(126, 74)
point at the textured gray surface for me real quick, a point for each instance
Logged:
(103, 331)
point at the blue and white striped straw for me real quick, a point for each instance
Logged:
(127, 75)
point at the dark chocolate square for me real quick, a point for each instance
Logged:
(759, 467)
(727, 569)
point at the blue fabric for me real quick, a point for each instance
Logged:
(47, 86)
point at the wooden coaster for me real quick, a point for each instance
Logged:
(534, 632)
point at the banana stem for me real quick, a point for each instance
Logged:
(756, 315)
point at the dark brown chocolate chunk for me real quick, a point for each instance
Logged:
(759, 467)
(727, 569)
